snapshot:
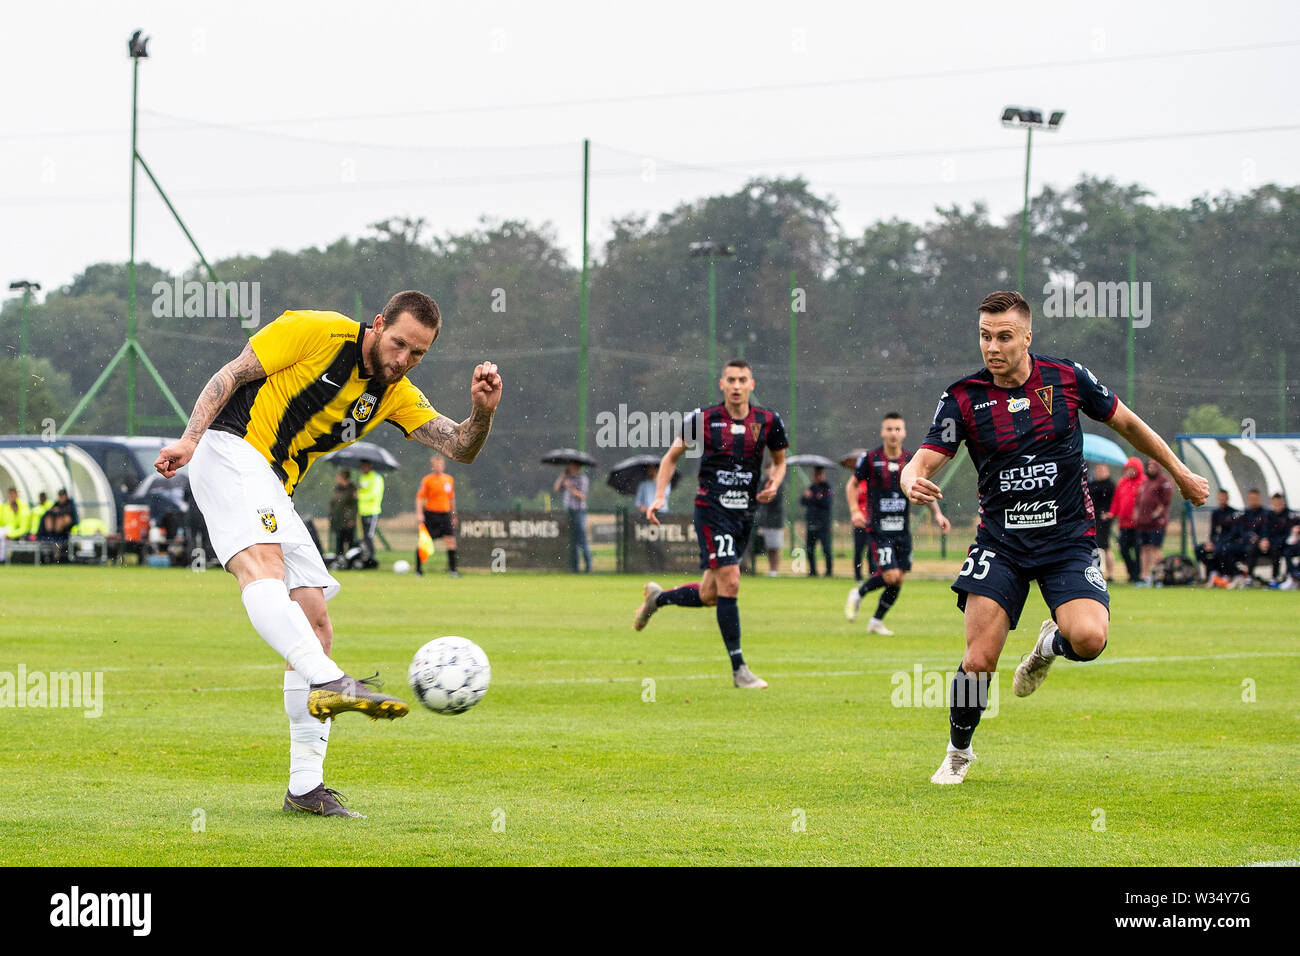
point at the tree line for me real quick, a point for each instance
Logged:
(884, 319)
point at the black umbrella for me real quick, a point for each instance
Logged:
(630, 472)
(353, 455)
(562, 456)
(814, 461)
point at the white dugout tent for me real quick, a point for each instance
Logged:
(1270, 463)
(50, 466)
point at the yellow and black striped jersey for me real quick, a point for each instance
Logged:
(314, 398)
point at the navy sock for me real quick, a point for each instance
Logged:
(451, 560)
(887, 601)
(971, 694)
(729, 625)
(688, 595)
(870, 584)
(1063, 648)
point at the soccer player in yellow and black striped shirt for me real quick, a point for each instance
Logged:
(308, 383)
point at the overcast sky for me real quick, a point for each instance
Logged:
(284, 125)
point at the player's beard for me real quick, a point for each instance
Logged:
(379, 374)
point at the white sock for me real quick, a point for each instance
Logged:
(284, 626)
(1045, 644)
(308, 738)
(958, 750)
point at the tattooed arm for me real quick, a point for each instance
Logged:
(462, 442)
(459, 442)
(244, 369)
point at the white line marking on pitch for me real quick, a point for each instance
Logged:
(621, 680)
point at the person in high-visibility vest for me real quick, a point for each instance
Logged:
(14, 520)
(370, 501)
(43, 504)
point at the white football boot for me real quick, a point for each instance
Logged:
(852, 603)
(877, 626)
(1033, 669)
(744, 678)
(648, 606)
(954, 767)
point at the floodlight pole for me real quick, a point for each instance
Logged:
(1013, 117)
(130, 297)
(713, 318)
(793, 408)
(131, 349)
(1024, 215)
(582, 304)
(1131, 364)
(24, 374)
(711, 250)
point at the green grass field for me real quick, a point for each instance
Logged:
(566, 761)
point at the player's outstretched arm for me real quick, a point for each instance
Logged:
(462, 441)
(915, 479)
(775, 476)
(245, 368)
(667, 465)
(1141, 436)
(856, 517)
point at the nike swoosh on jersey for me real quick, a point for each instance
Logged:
(326, 379)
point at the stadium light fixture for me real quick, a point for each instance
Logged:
(138, 45)
(26, 287)
(1018, 117)
(712, 251)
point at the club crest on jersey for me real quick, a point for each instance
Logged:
(754, 429)
(1045, 396)
(268, 519)
(1017, 404)
(1095, 578)
(364, 406)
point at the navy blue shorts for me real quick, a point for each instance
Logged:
(1154, 538)
(722, 536)
(1065, 574)
(890, 552)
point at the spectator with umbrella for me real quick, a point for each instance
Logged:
(574, 485)
(816, 503)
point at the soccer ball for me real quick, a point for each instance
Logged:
(450, 675)
(401, 567)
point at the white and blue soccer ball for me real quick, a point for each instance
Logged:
(401, 567)
(450, 675)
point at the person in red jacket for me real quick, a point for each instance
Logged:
(1151, 516)
(1122, 507)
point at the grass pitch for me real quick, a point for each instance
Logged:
(598, 745)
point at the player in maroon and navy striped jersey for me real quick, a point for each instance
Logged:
(731, 436)
(885, 520)
(1019, 417)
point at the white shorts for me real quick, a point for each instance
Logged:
(244, 504)
(773, 538)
